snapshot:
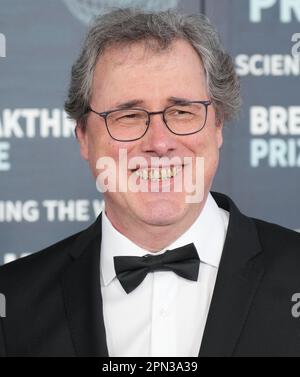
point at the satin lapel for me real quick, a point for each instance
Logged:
(240, 273)
(82, 294)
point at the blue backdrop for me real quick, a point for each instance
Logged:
(46, 190)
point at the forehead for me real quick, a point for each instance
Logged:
(145, 70)
(125, 56)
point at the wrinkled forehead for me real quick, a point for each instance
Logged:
(123, 53)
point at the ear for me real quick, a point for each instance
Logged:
(219, 130)
(82, 137)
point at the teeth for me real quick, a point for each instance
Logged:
(144, 174)
(164, 174)
(158, 173)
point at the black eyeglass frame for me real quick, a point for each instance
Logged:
(105, 114)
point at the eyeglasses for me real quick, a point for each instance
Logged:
(186, 118)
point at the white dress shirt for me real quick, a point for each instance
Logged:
(166, 314)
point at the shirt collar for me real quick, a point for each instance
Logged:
(207, 233)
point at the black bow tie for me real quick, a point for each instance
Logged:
(131, 271)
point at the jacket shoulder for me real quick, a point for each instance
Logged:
(37, 265)
(274, 234)
(279, 244)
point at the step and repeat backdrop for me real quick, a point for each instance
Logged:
(46, 190)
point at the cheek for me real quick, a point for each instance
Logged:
(204, 144)
(99, 145)
(96, 150)
(103, 147)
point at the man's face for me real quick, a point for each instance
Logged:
(133, 73)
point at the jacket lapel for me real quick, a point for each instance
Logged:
(239, 276)
(82, 294)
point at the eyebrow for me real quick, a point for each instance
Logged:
(137, 102)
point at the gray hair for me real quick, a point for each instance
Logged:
(126, 26)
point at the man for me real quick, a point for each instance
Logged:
(157, 274)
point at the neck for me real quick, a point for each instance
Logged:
(151, 237)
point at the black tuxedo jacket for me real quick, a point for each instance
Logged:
(54, 304)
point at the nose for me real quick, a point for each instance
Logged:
(158, 139)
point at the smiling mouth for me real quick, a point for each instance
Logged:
(158, 174)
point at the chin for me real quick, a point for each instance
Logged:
(161, 212)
